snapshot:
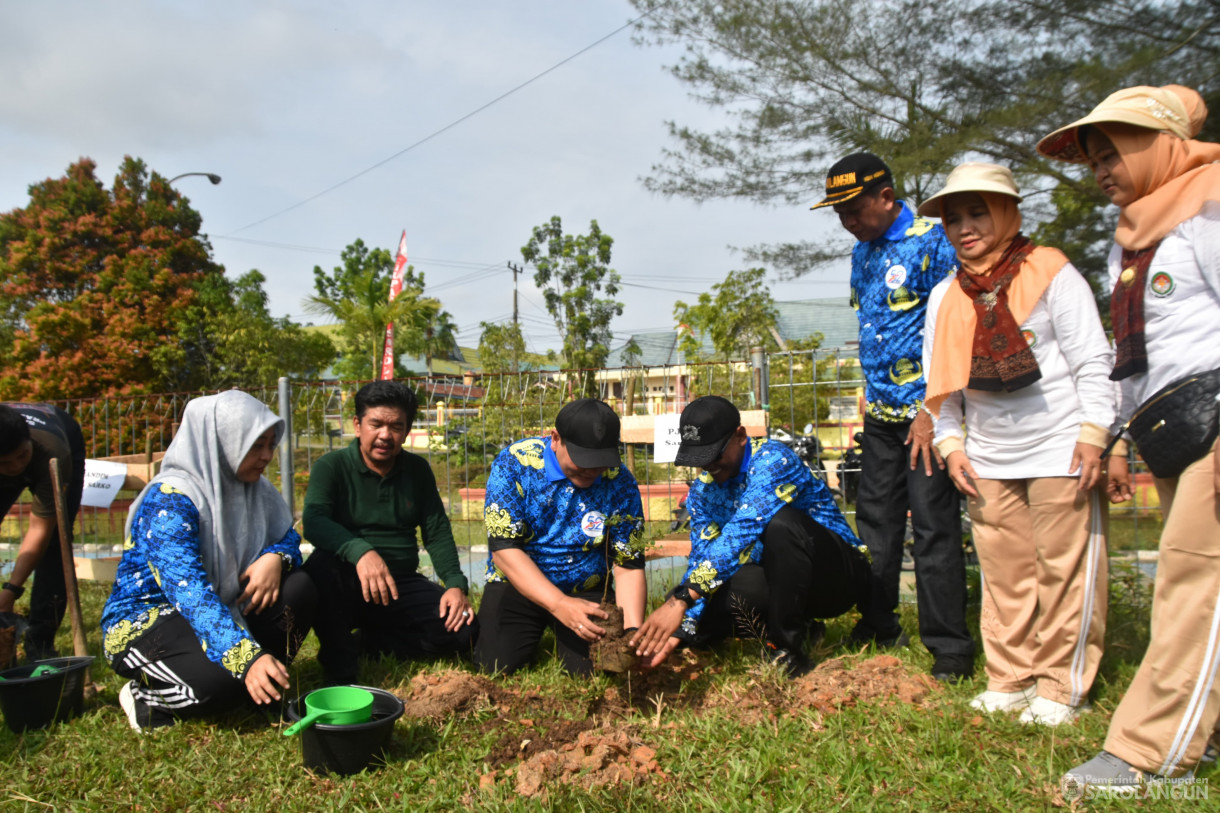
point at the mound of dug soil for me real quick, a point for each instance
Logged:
(597, 758)
(444, 694)
(882, 678)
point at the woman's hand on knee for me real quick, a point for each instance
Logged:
(265, 677)
(261, 582)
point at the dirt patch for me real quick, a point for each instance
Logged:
(837, 683)
(596, 758)
(611, 653)
(833, 685)
(444, 694)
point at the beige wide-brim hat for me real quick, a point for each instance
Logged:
(972, 177)
(1173, 108)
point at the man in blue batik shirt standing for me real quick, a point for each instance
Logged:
(898, 260)
(560, 513)
(770, 550)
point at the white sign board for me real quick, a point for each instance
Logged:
(102, 481)
(665, 438)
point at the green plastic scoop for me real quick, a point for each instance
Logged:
(39, 671)
(336, 705)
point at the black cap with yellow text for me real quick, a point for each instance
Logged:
(852, 175)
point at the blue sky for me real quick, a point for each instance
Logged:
(285, 100)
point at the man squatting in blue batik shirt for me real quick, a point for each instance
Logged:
(770, 550)
(895, 265)
(561, 513)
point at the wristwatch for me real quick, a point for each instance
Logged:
(15, 589)
(682, 593)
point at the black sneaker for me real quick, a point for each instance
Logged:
(952, 668)
(792, 662)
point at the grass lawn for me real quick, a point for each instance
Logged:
(719, 732)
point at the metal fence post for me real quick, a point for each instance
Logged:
(758, 361)
(286, 480)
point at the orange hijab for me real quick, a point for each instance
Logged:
(1173, 178)
(949, 369)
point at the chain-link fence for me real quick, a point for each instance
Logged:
(811, 400)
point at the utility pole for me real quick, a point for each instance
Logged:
(516, 270)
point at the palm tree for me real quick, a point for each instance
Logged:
(364, 309)
(440, 336)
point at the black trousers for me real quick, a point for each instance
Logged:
(807, 572)
(888, 489)
(512, 626)
(409, 627)
(49, 594)
(174, 678)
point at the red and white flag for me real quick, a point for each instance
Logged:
(400, 266)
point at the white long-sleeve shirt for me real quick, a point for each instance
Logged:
(1032, 432)
(1181, 307)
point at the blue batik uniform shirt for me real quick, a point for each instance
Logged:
(533, 506)
(727, 519)
(891, 279)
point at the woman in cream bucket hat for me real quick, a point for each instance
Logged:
(1165, 305)
(1014, 346)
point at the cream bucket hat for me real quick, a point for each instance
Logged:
(972, 177)
(1173, 108)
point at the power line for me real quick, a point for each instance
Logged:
(320, 250)
(447, 127)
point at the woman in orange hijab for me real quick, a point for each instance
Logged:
(1014, 348)
(1165, 307)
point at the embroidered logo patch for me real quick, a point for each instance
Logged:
(1031, 338)
(1161, 284)
(593, 524)
(895, 277)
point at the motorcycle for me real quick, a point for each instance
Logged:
(808, 448)
(849, 470)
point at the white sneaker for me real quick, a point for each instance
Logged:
(1042, 711)
(991, 702)
(127, 701)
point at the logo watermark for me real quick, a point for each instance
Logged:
(1184, 789)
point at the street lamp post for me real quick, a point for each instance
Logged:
(211, 176)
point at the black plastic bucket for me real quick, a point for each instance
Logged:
(348, 749)
(35, 702)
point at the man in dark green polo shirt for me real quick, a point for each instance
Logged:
(362, 509)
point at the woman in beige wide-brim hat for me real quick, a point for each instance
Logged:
(1165, 308)
(1014, 347)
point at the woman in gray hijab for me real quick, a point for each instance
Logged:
(208, 603)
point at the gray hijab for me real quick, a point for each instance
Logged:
(236, 520)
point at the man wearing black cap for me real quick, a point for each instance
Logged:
(898, 260)
(560, 513)
(770, 550)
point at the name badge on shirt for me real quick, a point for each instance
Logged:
(593, 524)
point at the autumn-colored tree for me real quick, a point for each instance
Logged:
(92, 282)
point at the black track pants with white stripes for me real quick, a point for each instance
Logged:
(174, 678)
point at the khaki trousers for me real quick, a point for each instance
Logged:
(1162, 724)
(1042, 549)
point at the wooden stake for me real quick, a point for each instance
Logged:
(79, 647)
